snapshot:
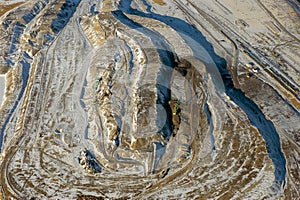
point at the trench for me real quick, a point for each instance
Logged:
(25, 76)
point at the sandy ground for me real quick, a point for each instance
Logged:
(161, 99)
(2, 88)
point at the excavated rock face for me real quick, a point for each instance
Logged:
(88, 162)
(129, 83)
(147, 100)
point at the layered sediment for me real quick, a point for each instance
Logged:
(159, 99)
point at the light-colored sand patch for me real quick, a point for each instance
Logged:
(2, 88)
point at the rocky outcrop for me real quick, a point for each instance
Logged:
(88, 162)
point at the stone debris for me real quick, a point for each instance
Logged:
(88, 162)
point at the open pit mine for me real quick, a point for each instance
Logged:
(149, 99)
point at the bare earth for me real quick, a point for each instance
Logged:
(150, 99)
(2, 88)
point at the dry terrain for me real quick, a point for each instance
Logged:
(149, 99)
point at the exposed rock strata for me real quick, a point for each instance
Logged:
(180, 99)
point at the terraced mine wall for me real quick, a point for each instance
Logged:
(256, 117)
(159, 99)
